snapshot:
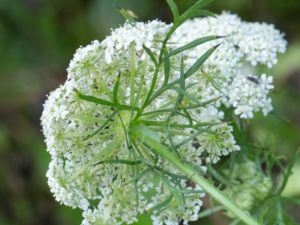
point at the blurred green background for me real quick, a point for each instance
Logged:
(38, 39)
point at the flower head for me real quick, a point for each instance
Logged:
(98, 163)
(231, 70)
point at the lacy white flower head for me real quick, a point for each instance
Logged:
(81, 135)
(125, 99)
(244, 45)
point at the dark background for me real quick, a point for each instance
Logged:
(38, 39)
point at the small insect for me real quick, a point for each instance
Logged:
(127, 14)
(236, 47)
(253, 79)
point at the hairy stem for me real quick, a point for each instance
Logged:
(147, 137)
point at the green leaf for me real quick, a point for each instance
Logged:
(202, 13)
(181, 78)
(181, 91)
(154, 79)
(153, 122)
(120, 161)
(96, 100)
(132, 71)
(101, 101)
(191, 191)
(186, 94)
(176, 106)
(167, 67)
(157, 111)
(173, 8)
(116, 89)
(150, 53)
(172, 175)
(192, 44)
(163, 171)
(188, 116)
(192, 11)
(202, 104)
(199, 62)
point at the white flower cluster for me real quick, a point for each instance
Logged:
(249, 94)
(231, 67)
(77, 175)
(217, 142)
(169, 216)
(121, 38)
(96, 169)
(251, 185)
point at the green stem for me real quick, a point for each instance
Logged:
(149, 138)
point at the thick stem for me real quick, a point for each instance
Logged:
(148, 138)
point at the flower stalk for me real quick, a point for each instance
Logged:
(147, 137)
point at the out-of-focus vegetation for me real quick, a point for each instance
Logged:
(37, 40)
